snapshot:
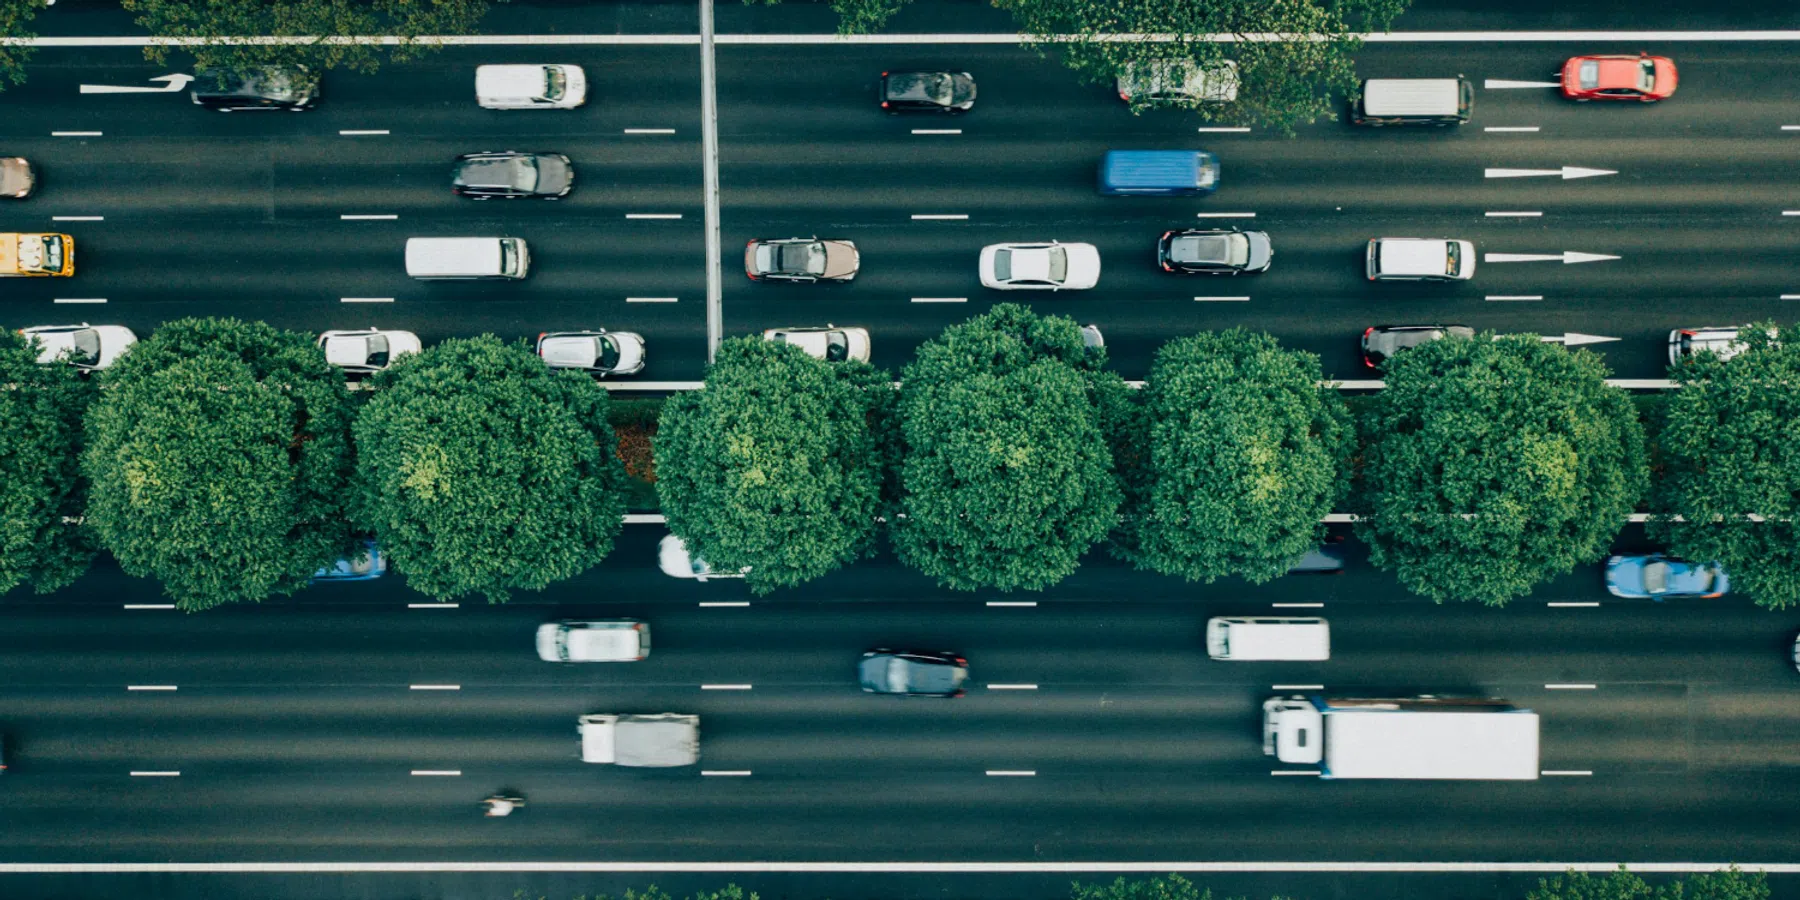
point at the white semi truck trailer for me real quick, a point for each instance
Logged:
(1415, 737)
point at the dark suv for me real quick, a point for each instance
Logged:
(942, 92)
(293, 88)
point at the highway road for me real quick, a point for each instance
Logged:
(296, 727)
(208, 214)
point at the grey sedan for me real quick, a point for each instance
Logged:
(913, 673)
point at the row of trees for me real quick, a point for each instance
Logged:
(228, 460)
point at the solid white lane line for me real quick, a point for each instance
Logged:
(435, 687)
(149, 606)
(1012, 603)
(937, 131)
(1514, 215)
(1566, 772)
(1221, 299)
(653, 215)
(1225, 215)
(649, 131)
(725, 603)
(1296, 687)
(1515, 296)
(1012, 773)
(1790, 128)
(940, 299)
(1570, 687)
(74, 134)
(1791, 212)
(660, 386)
(939, 217)
(79, 300)
(1567, 603)
(446, 773)
(1012, 687)
(725, 687)
(1492, 84)
(1224, 130)
(652, 518)
(1298, 605)
(365, 299)
(726, 773)
(362, 132)
(1313, 772)
(156, 773)
(1505, 129)
(77, 218)
(1056, 867)
(1790, 296)
(651, 299)
(433, 605)
(369, 217)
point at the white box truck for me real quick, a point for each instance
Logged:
(1414, 737)
(659, 741)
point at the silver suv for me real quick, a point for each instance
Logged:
(1685, 343)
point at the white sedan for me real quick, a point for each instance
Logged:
(830, 343)
(87, 347)
(672, 555)
(1052, 266)
(551, 86)
(367, 350)
(609, 640)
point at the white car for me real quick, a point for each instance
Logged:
(673, 556)
(599, 352)
(1052, 266)
(610, 640)
(1178, 82)
(1724, 340)
(830, 343)
(367, 350)
(549, 86)
(94, 347)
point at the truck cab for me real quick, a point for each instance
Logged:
(1293, 730)
(36, 255)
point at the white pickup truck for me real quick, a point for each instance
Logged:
(659, 741)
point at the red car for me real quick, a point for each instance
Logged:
(1643, 78)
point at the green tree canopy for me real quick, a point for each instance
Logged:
(219, 453)
(481, 470)
(1007, 477)
(211, 27)
(1730, 456)
(1495, 463)
(15, 23)
(1245, 452)
(1282, 83)
(1726, 884)
(41, 410)
(773, 466)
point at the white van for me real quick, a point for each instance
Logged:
(1420, 259)
(548, 86)
(435, 259)
(1413, 101)
(1265, 639)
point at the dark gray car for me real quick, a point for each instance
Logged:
(1383, 341)
(1204, 251)
(510, 174)
(913, 673)
(943, 92)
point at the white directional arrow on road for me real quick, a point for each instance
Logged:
(1574, 340)
(1567, 256)
(171, 84)
(1567, 172)
(1493, 83)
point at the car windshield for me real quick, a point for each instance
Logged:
(1646, 81)
(1588, 74)
(1454, 257)
(837, 347)
(1059, 264)
(87, 346)
(1656, 578)
(53, 254)
(606, 352)
(1003, 265)
(555, 83)
(376, 350)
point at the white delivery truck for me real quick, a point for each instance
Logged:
(659, 741)
(1414, 737)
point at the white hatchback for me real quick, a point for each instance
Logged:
(368, 350)
(610, 640)
(1051, 266)
(87, 347)
(548, 86)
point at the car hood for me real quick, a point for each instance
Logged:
(841, 259)
(962, 89)
(631, 352)
(1084, 266)
(1260, 251)
(555, 174)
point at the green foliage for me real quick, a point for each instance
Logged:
(219, 453)
(1007, 477)
(15, 22)
(1244, 453)
(41, 410)
(1173, 887)
(1729, 452)
(318, 27)
(1494, 464)
(1282, 82)
(773, 466)
(1730, 883)
(481, 470)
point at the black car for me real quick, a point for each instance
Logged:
(509, 174)
(943, 92)
(1383, 341)
(293, 88)
(1214, 251)
(913, 673)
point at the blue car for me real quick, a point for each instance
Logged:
(366, 566)
(1661, 577)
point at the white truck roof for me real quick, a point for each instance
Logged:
(1411, 96)
(1438, 744)
(658, 741)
